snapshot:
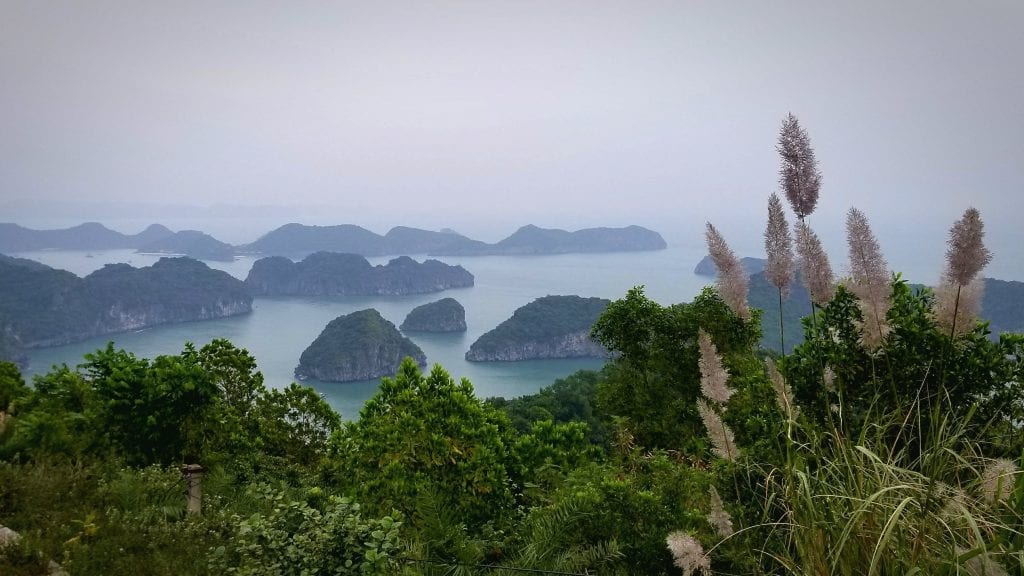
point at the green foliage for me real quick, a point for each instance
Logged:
(866, 505)
(300, 539)
(427, 433)
(207, 405)
(654, 382)
(916, 362)
(569, 399)
(295, 426)
(12, 386)
(624, 510)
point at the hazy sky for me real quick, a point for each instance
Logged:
(486, 115)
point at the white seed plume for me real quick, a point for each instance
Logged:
(814, 266)
(998, 479)
(783, 393)
(714, 378)
(687, 554)
(732, 278)
(778, 246)
(719, 519)
(869, 278)
(722, 442)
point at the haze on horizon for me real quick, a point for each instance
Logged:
(483, 116)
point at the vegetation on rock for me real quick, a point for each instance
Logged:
(358, 346)
(548, 327)
(444, 315)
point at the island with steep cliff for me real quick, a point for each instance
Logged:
(548, 327)
(444, 315)
(334, 274)
(358, 346)
(42, 306)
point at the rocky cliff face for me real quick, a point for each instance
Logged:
(41, 306)
(445, 315)
(358, 346)
(334, 274)
(574, 345)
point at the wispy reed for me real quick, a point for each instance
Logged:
(869, 278)
(718, 517)
(957, 306)
(798, 176)
(732, 278)
(967, 254)
(783, 393)
(778, 245)
(714, 378)
(998, 479)
(814, 265)
(687, 554)
(958, 295)
(722, 442)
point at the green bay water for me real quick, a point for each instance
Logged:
(279, 329)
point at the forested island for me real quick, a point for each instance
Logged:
(335, 274)
(548, 327)
(444, 315)
(358, 346)
(299, 240)
(43, 306)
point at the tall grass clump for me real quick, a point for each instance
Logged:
(897, 420)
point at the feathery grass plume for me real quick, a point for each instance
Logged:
(870, 278)
(981, 565)
(959, 287)
(722, 442)
(956, 306)
(732, 278)
(829, 379)
(798, 175)
(783, 393)
(687, 554)
(967, 254)
(814, 266)
(719, 519)
(714, 378)
(778, 245)
(998, 479)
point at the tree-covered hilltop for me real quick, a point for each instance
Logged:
(548, 327)
(531, 239)
(88, 236)
(444, 315)
(191, 243)
(334, 274)
(358, 346)
(42, 306)
(298, 240)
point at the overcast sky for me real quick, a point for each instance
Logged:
(486, 115)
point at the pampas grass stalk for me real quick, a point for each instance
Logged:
(732, 278)
(714, 378)
(869, 278)
(799, 177)
(778, 246)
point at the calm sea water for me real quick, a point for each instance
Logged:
(279, 329)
